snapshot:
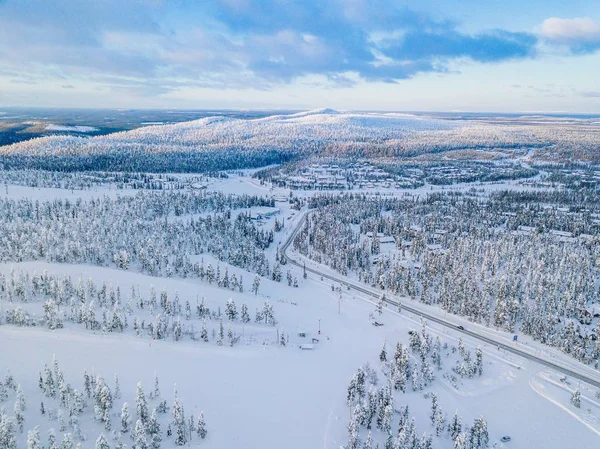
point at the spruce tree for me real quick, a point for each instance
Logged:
(125, 418)
(154, 431)
(33, 438)
(201, 427)
(141, 404)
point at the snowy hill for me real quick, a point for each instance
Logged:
(220, 133)
(217, 143)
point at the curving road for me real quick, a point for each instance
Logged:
(343, 280)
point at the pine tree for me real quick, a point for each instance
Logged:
(125, 418)
(139, 436)
(141, 404)
(61, 421)
(51, 439)
(101, 442)
(204, 332)
(230, 336)
(154, 431)
(221, 334)
(576, 398)
(478, 435)
(383, 354)
(201, 427)
(8, 437)
(245, 317)
(33, 438)
(379, 306)
(353, 435)
(434, 408)
(67, 442)
(256, 284)
(460, 442)
(282, 338)
(19, 409)
(455, 426)
(179, 423)
(117, 394)
(479, 361)
(156, 392)
(177, 330)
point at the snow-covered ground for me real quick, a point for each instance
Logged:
(258, 394)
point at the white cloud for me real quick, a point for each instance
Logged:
(566, 31)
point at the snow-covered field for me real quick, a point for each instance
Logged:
(260, 394)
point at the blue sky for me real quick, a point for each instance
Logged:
(493, 55)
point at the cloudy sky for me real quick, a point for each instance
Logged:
(443, 55)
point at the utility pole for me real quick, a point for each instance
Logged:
(319, 326)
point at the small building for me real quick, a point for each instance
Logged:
(302, 334)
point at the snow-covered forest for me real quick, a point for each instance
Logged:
(97, 402)
(220, 143)
(467, 253)
(160, 233)
(410, 375)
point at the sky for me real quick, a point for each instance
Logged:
(486, 55)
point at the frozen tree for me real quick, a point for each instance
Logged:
(478, 361)
(125, 418)
(379, 305)
(201, 427)
(139, 436)
(141, 404)
(383, 354)
(62, 425)
(102, 443)
(455, 426)
(19, 409)
(230, 310)
(8, 437)
(434, 408)
(353, 435)
(230, 336)
(179, 423)
(33, 438)
(256, 284)
(154, 431)
(417, 383)
(282, 338)
(245, 317)
(177, 330)
(51, 439)
(478, 434)
(576, 399)
(117, 393)
(67, 441)
(221, 334)
(4, 391)
(156, 391)
(204, 331)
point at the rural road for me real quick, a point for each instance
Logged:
(343, 280)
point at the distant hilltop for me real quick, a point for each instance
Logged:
(232, 142)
